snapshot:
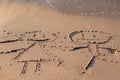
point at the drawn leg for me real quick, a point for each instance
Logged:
(38, 65)
(25, 67)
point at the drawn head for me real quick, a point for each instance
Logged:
(39, 36)
(93, 37)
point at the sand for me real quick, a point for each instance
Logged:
(40, 43)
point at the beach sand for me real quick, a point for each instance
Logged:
(40, 43)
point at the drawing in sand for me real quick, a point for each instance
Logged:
(92, 40)
(41, 40)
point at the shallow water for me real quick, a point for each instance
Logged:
(79, 7)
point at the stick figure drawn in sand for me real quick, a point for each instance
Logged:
(35, 38)
(92, 40)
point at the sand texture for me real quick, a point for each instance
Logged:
(38, 42)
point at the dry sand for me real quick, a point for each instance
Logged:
(37, 43)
